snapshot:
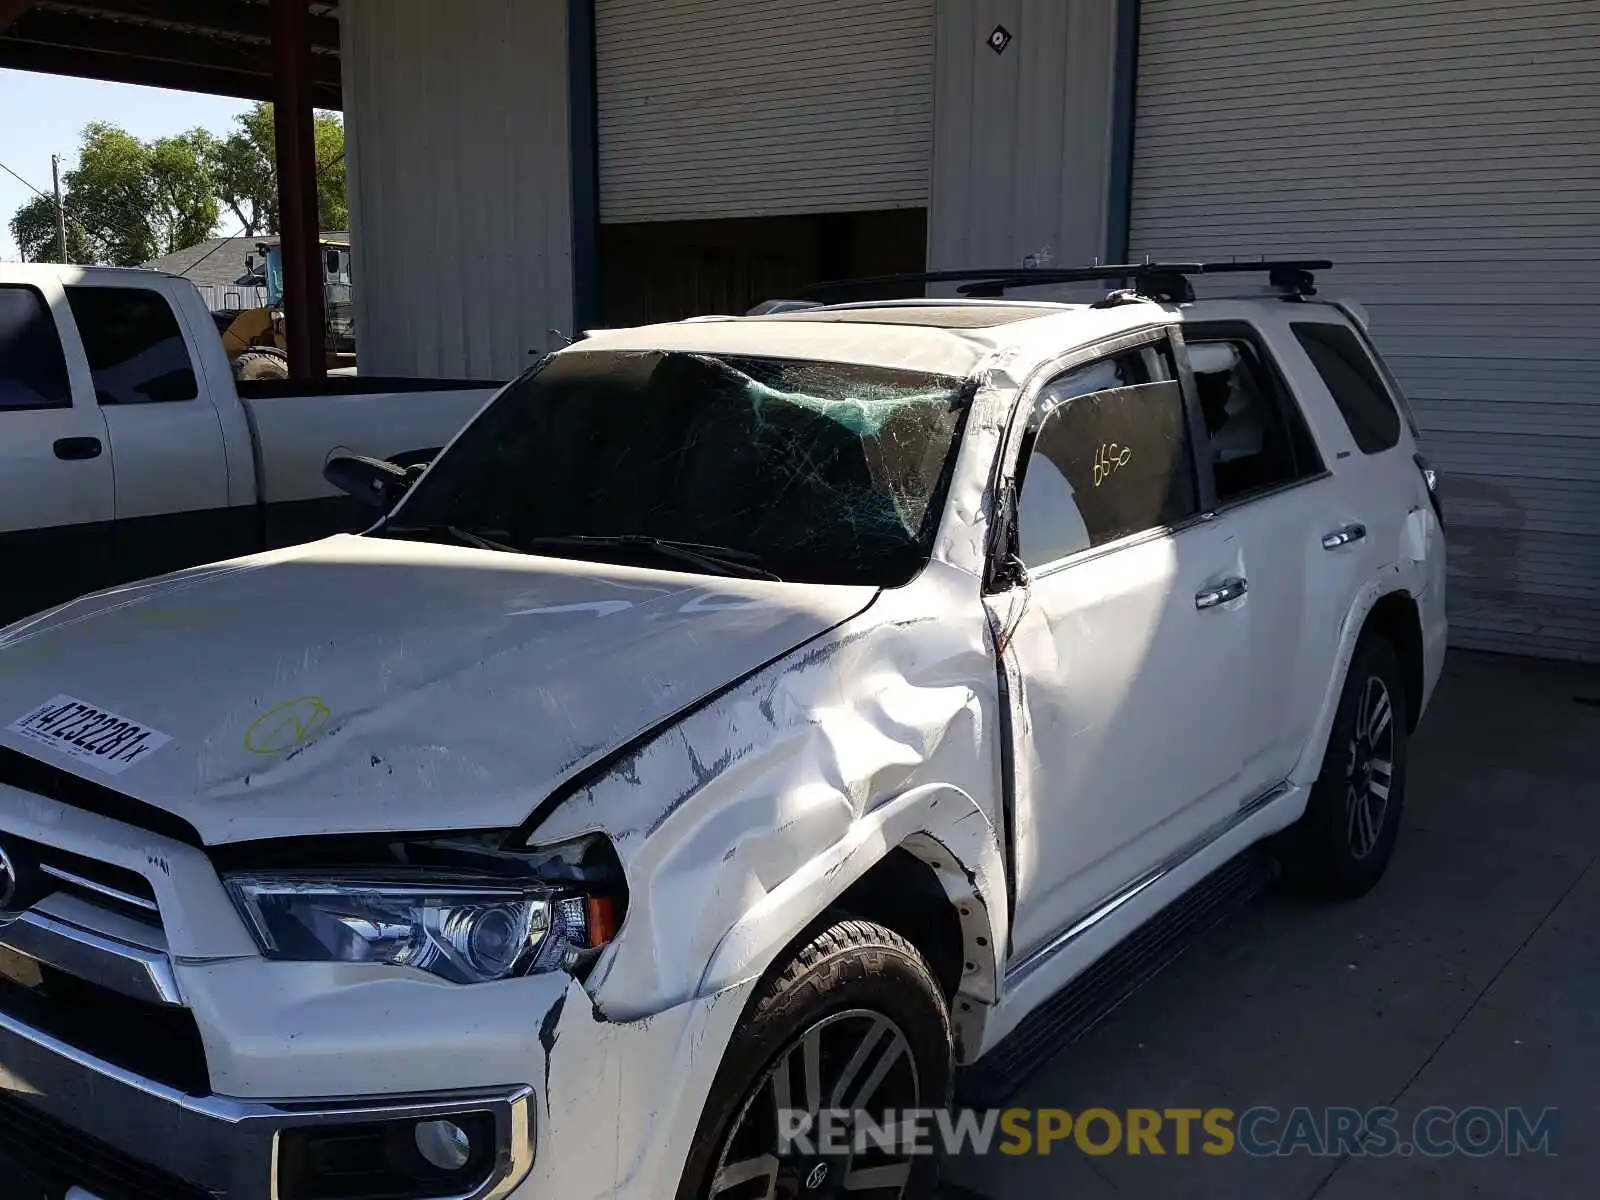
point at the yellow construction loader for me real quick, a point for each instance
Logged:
(254, 338)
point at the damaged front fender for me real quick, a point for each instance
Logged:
(741, 824)
(612, 1124)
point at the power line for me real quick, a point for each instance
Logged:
(21, 180)
(39, 191)
(221, 242)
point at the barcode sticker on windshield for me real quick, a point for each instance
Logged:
(104, 740)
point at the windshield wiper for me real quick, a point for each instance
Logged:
(719, 560)
(464, 536)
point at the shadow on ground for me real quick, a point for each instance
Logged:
(1470, 976)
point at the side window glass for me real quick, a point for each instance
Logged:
(135, 348)
(1352, 379)
(1104, 462)
(1257, 438)
(33, 371)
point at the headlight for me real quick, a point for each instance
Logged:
(466, 931)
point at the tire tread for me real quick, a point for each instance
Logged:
(837, 957)
(1315, 856)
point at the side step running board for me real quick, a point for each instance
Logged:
(1075, 1010)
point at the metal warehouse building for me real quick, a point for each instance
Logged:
(520, 167)
(527, 165)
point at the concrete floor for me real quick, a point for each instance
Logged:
(1469, 976)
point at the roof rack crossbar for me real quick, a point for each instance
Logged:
(1167, 281)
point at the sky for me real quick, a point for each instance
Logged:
(57, 108)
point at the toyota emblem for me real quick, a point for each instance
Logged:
(8, 881)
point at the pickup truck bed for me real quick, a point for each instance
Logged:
(127, 449)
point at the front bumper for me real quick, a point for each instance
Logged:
(131, 1137)
(281, 1045)
(611, 1113)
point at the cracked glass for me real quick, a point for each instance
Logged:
(811, 471)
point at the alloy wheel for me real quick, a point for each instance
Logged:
(841, 1072)
(1370, 774)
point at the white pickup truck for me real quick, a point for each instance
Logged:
(127, 449)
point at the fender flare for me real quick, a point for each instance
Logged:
(1309, 765)
(964, 855)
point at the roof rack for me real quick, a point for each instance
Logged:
(1153, 280)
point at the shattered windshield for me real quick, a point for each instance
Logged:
(809, 471)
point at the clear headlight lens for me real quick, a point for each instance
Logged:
(466, 932)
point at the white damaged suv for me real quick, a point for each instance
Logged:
(742, 718)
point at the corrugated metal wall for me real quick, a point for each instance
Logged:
(460, 185)
(1022, 139)
(1446, 154)
(743, 108)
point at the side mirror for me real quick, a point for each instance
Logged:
(372, 481)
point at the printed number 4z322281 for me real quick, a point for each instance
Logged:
(90, 734)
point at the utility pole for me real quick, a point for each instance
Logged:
(61, 210)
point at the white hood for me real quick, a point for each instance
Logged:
(367, 685)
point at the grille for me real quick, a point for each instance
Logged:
(100, 883)
(157, 1042)
(54, 1156)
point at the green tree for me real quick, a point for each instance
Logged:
(33, 228)
(111, 194)
(129, 201)
(246, 179)
(333, 202)
(181, 206)
(244, 167)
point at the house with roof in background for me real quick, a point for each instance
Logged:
(229, 271)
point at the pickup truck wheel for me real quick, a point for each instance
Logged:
(260, 364)
(1343, 843)
(854, 1024)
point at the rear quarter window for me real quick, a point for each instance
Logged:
(135, 348)
(1353, 380)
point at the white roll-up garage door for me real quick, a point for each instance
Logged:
(1446, 155)
(745, 108)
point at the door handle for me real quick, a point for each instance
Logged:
(1345, 535)
(1228, 589)
(74, 449)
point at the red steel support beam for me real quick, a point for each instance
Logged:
(304, 316)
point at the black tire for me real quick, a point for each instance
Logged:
(260, 364)
(849, 971)
(1342, 845)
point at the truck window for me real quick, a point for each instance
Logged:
(33, 371)
(1258, 437)
(135, 348)
(1353, 381)
(1106, 464)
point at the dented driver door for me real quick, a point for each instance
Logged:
(1123, 634)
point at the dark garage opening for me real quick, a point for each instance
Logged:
(668, 270)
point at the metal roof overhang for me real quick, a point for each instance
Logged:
(222, 47)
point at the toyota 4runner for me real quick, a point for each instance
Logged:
(741, 718)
